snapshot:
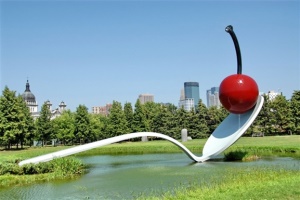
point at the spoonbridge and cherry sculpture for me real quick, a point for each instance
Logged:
(238, 94)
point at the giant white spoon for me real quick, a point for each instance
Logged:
(225, 135)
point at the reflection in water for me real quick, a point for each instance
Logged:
(128, 176)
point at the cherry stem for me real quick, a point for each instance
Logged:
(229, 29)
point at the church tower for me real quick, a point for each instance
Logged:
(29, 99)
(62, 106)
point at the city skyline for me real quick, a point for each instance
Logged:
(104, 109)
(95, 52)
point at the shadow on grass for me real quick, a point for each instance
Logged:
(13, 149)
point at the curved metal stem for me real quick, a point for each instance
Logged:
(229, 29)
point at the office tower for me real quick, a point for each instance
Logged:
(191, 91)
(146, 98)
(187, 104)
(212, 97)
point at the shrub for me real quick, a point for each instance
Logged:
(63, 166)
(239, 155)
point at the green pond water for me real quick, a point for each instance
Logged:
(129, 176)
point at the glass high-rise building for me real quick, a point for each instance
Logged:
(191, 91)
(212, 97)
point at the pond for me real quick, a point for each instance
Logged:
(129, 176)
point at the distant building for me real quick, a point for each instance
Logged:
(103, 110)
(58, 111)
(189, 96)
(272, 95)
(212, 97)
(187, 104)
(31, 103)
(146, 98)
(191, 91)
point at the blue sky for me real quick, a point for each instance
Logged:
(94, 52)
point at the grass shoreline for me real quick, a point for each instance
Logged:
(265, 183)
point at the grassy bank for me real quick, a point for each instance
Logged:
(266, 183)
(61, 168)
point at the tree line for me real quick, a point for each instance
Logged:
(17, 126)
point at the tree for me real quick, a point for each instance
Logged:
(27, 124)
(117, 120)
(98, 126)
(163, 121)
(181, 118)
(12, 118)
(295, 107)
(44, 124)
(264, 120)
(151, 110)
(82, 124)
(282, 113)
(64, 127)
(139, 123)
(200, 123)
(128, 111)
(214, 117)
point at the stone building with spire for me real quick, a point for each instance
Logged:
(32, 104)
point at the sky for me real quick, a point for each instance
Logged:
(95, 52)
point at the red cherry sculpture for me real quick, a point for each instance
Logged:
(238, 93)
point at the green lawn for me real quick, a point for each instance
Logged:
(265, 183)
(269, 144)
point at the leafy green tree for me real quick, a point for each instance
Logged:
(82, 125)
(64, 127)
(139, 123)
(171, 108)
(295, 107)
(214, 117)
(181, 118)
(12, 119)
(201, 122)
(128, 111)
(117, 120)
(98, 125)
(263, 122)
(44, 125)
(171, 124)
(192, 126)
(159, 124)
(151, 110)
(27, 124)
(282, 114)
(163, 121)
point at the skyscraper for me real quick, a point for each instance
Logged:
(191, 91)
(212, 97)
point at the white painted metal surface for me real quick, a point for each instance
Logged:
(225, 135)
